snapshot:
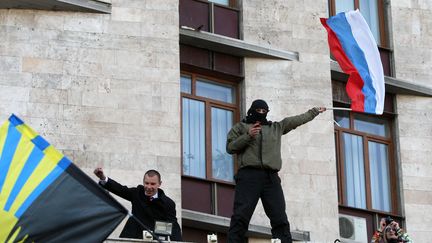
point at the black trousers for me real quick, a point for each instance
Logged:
(252, 184)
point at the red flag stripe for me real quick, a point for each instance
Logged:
(355, 82)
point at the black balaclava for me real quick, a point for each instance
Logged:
(254, 116)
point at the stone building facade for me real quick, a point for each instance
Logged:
(103, 86)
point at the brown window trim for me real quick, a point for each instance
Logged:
(232, 4)
(392, 165)
(188, 69)
(209, 103)
(208, 180)
(381, 17)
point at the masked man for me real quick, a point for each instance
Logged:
(257, 143)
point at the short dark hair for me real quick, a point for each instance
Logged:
(152, 173)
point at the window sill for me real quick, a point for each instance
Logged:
(221, 224)
(231, 46)
(92, 6)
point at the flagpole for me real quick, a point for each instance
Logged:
(338, 108)
(145, 227)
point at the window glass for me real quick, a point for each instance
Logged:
(379, 176)
(222, 2)
(355, 186)
(344, 5)
(186, 84)
(193, 122)
(369, 10)
(222, 162)
(215, 91)
(342, 118)
(371, 125)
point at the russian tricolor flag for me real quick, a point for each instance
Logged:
(354, 47)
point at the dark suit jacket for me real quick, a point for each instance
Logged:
(160, 209)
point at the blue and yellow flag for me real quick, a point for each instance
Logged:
(46, 198)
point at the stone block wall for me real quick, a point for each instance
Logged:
(415, 138)
(103, 88)
(412, 41)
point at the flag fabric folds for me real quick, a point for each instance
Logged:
(354, 47)
(46, 198)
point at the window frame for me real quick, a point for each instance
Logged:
(208, 105)
(210, 24)
(372, 216)
(381, 16)
(366, 137)
(231, 4)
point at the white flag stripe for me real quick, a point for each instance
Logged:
(367, 43)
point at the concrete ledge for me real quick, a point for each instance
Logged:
(393, 85)
(231, 46)
(92, 6)
(221, 224)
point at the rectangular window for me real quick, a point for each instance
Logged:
(221, 92)
(379, 175)
(367, 185)
(372, 125)
(375, 15)
(194, 163)
(365, 163)
(216, 16)
(355, 189)
(369, 10)
(185, 84)
(342, 119)
(222, 162)
(372, 11)
(208, 111)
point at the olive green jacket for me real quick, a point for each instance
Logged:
(263, 150)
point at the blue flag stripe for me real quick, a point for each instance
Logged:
(12, 139)
(341, 27)
(15, 120)
(64, 163)
(56, 172)
(31, 163)
(40, 142)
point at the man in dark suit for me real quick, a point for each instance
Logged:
(149, 204)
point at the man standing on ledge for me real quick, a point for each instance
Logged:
(257, 143)
(149, 204)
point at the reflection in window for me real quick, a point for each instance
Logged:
(369, 10)
(185, 84)
(193, 117)
(222, 2)
(354, 171)
(379, 176)
(222, 162)
(344, 5)
(371, 125)
(211, 90)
(342, 118)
